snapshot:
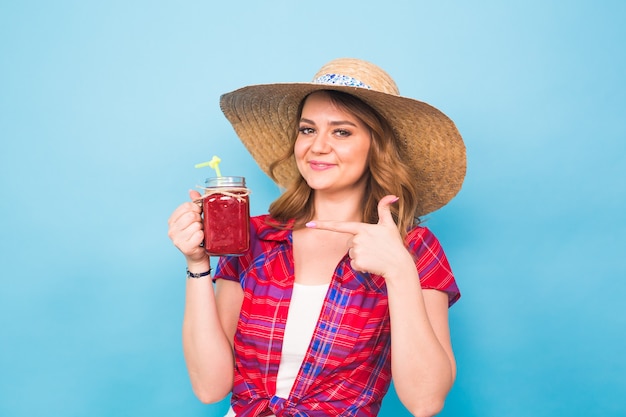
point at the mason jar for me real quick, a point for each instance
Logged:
(226, 216)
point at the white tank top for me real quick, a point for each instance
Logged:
(304, 311)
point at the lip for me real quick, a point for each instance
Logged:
(320, 166)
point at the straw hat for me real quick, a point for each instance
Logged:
(262, 116)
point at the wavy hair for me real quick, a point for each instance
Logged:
(388, 172)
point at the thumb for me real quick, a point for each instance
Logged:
(384, 212)
(194, 195)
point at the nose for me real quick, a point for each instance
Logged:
(320, 143)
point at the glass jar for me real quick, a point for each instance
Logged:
(226, 216)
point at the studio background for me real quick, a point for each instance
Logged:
(105, 107)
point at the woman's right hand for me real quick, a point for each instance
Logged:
(186, 230)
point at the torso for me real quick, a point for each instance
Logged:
(266, 276)
(316, 254)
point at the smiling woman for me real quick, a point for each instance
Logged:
(106, 106)
(358, 171)
(331, 148)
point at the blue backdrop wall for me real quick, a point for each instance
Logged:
(106, 106)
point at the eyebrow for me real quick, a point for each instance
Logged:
(333, 123)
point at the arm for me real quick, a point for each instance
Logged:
(422, 361)
(210, 317)
(208, 330)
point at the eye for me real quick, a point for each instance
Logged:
(305, 130)
(342, 133)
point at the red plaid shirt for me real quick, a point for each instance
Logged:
(347, 368)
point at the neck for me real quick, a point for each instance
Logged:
(338, 207)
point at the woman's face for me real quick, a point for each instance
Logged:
(332, 146)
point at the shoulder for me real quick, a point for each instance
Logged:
(431, 262)
(259, 220)
(421, 236)
(424, 245)
(265, 227)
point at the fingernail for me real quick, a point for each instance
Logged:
(395, 199)
(310, 224)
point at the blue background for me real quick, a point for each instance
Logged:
(106, 106)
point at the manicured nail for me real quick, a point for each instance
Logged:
(310, 224)
(395, 199)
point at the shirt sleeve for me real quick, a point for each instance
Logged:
(227, 268)
(432, 264)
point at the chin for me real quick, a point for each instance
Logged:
(316, 183)
(318, 186)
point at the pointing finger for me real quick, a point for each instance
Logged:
(334, 226)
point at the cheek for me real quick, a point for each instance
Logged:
(356, 154)
(299, 149)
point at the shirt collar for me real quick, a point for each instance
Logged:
(272, 230)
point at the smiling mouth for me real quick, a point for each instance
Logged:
(320, 166)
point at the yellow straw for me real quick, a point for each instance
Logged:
(213, 163)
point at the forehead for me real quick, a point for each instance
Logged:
(322, 103)
(318, 97)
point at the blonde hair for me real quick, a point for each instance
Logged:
(388, 172)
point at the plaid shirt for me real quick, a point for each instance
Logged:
(347, 368)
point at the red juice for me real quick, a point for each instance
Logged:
(226, 209)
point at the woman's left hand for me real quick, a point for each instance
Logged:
(374, 248)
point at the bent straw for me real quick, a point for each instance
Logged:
(213, 163)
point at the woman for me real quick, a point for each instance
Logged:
(341, 289)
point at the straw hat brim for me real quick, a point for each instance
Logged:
(263, 116)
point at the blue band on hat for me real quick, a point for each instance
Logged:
(338, 79)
